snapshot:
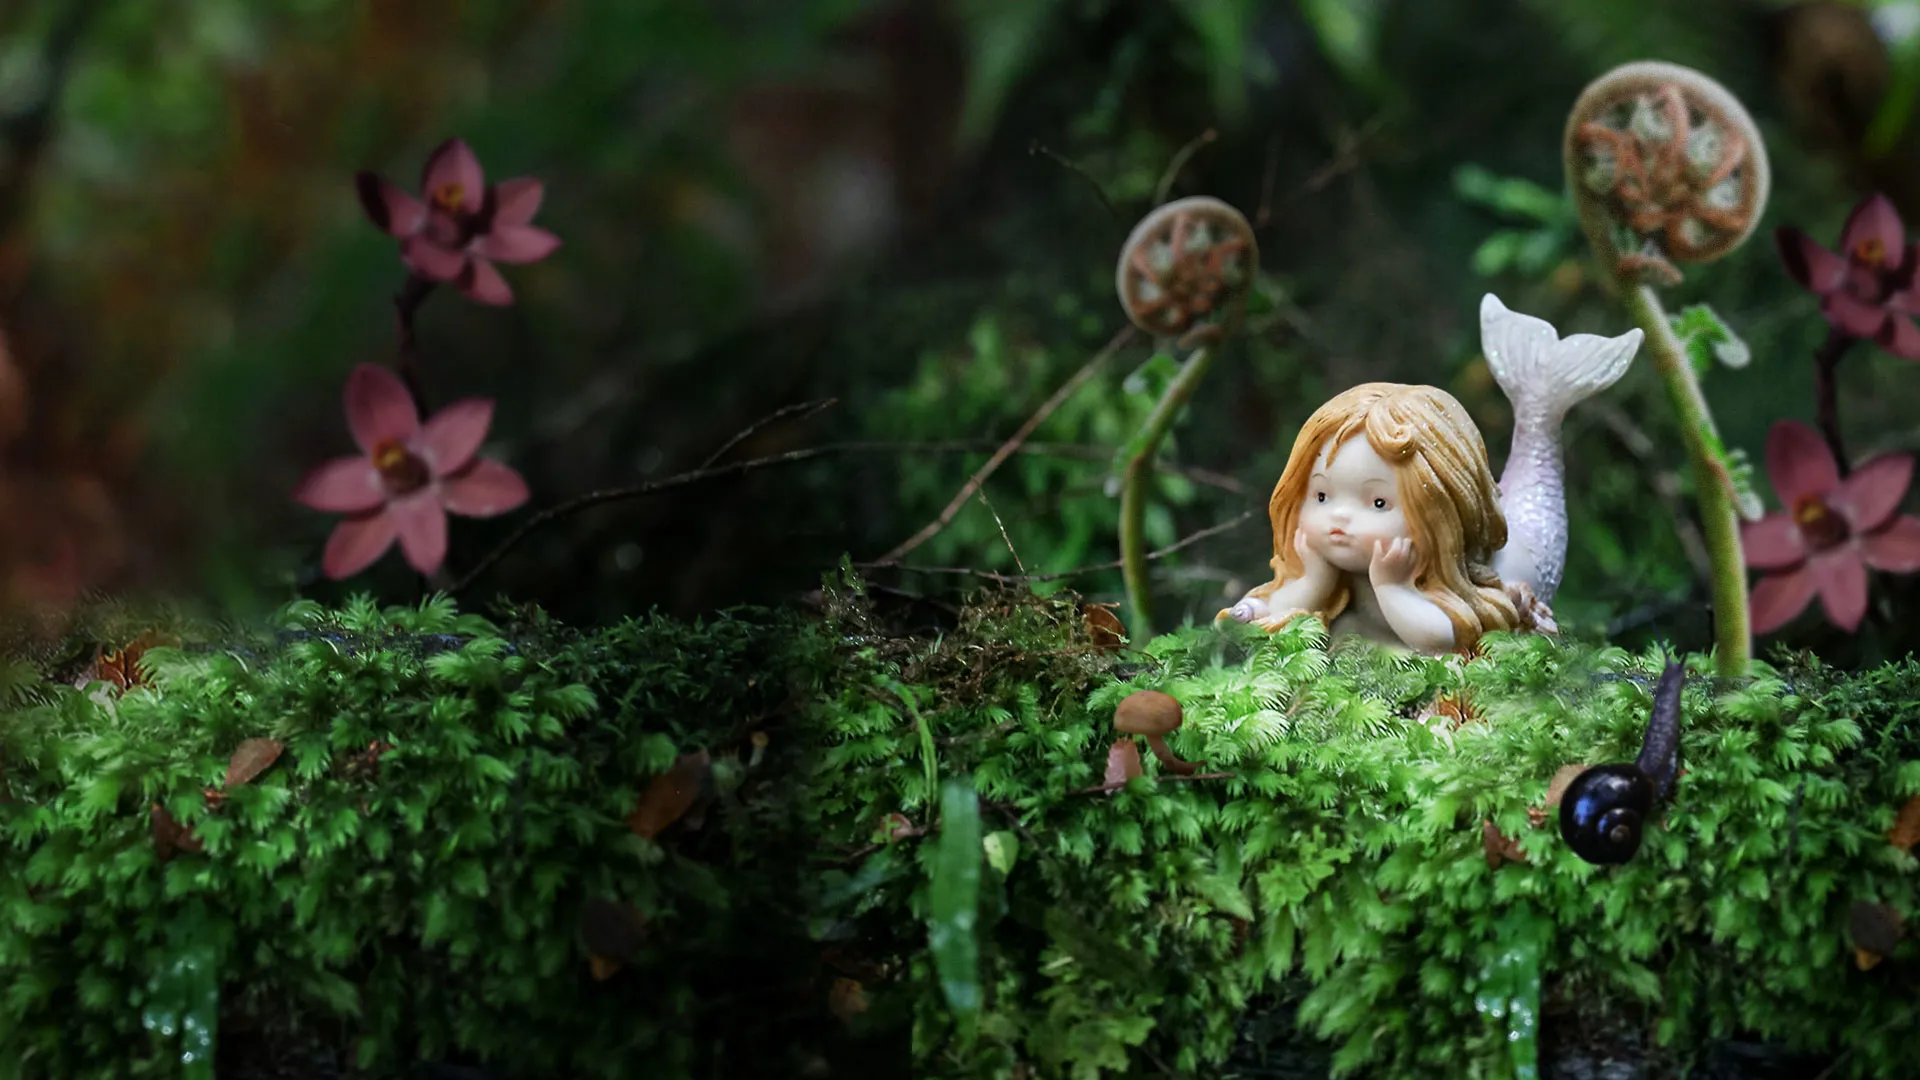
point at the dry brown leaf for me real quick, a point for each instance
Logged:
(603, 968)
(1104, 627)
(168, 835)
(1457, 708)
(900, 827)
(252, 758)
(847, 999)
(367, 762)
(1123, 762)
(1866, 959)
(1562, 779)
(1500, 847)
(670, 795)
(1906, 827)
(121, 667)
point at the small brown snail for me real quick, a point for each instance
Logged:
(1606, 808)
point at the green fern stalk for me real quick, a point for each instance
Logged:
(1133, 493)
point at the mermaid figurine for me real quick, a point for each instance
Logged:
(1387, 521)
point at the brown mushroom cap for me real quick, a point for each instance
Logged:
(1147, 712)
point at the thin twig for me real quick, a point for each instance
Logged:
(406, 306)
(1826, 394)
(1006, 450)
(607, 495)
(1011, 579)
(1664, 481)
(1037, 147)
(1345, 158)
(1078, 451)
(596, 498)
(801, 410)
(1003, 533)
(1164, 778)
(1270, 174)
(1180, 159)
(1834, 1068)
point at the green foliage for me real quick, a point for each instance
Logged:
(425, 900)
(929, 822)
(1347, 848)
(1057, 501)
(1550, 236)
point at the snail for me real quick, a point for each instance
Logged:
(1606, 808)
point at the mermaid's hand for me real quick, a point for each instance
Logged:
(1392, 562)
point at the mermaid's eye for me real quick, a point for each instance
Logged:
(1320, 496)
(1379, 504)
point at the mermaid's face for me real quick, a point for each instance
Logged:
(1352, 500)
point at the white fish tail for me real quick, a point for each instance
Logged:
(1543, 375)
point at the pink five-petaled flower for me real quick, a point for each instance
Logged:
(1830, 532)
(465, 224)
(1866, 291)
(407, 477)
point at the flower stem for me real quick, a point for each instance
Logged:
(1133, 492)
(406, 305)
(1826, 396)
(1733, 633)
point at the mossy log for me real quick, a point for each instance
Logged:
(723, 848)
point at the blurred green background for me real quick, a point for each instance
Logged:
(765, 202)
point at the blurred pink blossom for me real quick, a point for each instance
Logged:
(464, 226)
(1830, 532)
(1867, 290)
(407, 477)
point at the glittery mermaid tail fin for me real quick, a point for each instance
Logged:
(1543, 375)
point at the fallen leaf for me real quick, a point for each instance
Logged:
(1562, 779)
(1123, 762)
(613, 931)
(121, 667)
(1104, 627)
(670, 795)
(252, 758)
(1906, 827)
(1500, 847)
(1876, 930)
(603, 968)
(366, 762)
(168, 835)
(899, 827)
(1457, 708)
(847, 999)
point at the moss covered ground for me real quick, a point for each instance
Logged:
(876, 839)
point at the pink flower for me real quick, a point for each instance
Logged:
(464, 226)
(1831, 531)
(407, 478)
(1869, 291)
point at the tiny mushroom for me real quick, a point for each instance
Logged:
(1153, 714)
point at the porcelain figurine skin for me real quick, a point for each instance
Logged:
(1387, 521)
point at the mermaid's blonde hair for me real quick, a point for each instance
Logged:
(1447, 493)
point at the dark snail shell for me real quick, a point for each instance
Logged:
(1603, 812)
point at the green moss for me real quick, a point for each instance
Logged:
(437, 907)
